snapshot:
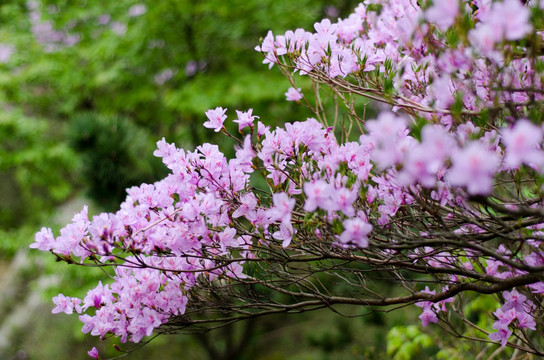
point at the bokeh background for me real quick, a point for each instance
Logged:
(86, 90)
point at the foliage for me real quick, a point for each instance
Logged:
(35, 169)
(116, 154)
(154, 65)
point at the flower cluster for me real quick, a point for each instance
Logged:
(515, 309)
(445, 182)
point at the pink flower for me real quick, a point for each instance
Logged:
(97, 297)
(474, 167)
(523, 145)
(443, 91)
(118, 28)
(422, 163)
(93, 353)
(428, 316)
(283, 205)
(216, 118)
(285, 233)
(505, 317)
(248, 203)
(43, 240)
(502, 334)
(426, 304)
(517, 24)
(355, 232)
(104, 19)
(318, 195)
(245, 119)
(388, 135)
(443, 13)
(262, 128)
(137, 10)
(325, 27)
(5, 52)
(513, 300)
(526, 321)
(66, 304)
(343, 201)
(293, 94)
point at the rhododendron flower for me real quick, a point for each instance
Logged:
(473, 167)
(355, 232)
(137, 10)
(248, 203)
(245, 119)
(526, 321)
(283, 205)
(118, 27)
(387, 133)
(216, 118)
(6, 51)
(428, 316)
(343, 201)
(293, 94)
(502, 334)
(93, 353)
(66, 304)
(514, 300)
(518, 24)
(43, 240)
(505, 317)
(443, 13)
(304, 197)
(318, 195)
(523, 145)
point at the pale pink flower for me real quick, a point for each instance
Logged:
(245, 119)
(104, 19)
(93, 353)
(43, 240)
(293, 94)
(248, 203)
(473, 167)
(502, 334)
(216, 118)
(66, 304)
(318, 195)
(6, 51)
(523, 145)
(510, 18)
(443, 13)
(118, 28)
(137, 10)
(343, 201)
(355, 232)
(283, 205)
(428, 316)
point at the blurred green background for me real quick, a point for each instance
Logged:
(86, 90)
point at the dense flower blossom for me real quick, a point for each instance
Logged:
(387, 134)
(435, 183)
